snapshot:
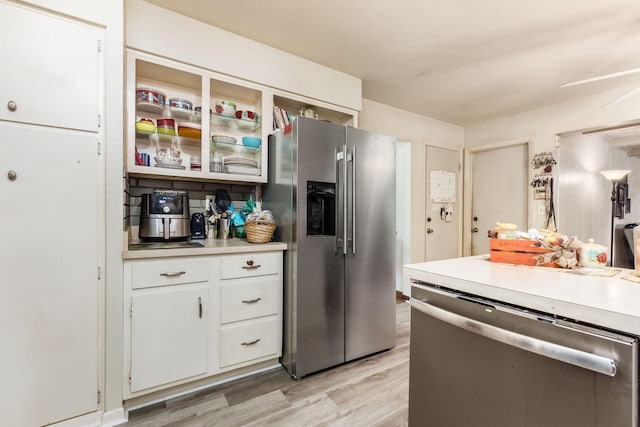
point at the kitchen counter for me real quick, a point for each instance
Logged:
(611, 302)
(210, 247)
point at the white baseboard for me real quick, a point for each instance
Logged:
(114, 418)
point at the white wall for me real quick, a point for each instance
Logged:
(206, 46)
(419, 130)
(543, 124)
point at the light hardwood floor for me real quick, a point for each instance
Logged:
(372, 391)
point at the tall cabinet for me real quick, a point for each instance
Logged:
(50, 123)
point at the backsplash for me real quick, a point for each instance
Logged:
(197, 191)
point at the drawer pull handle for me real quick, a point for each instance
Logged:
(250, 301)
(256, 341)
(174, 274)
(251, 266)
(199, 307)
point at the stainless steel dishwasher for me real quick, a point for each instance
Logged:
(476, 362)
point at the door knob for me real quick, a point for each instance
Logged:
(474, 230)
(429, 230)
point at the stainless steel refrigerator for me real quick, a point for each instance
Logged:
(332, 191)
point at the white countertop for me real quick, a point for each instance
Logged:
(211, 247)
(611, 302)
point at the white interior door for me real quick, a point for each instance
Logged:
(49, 287)
(499, 188)
(442, 182)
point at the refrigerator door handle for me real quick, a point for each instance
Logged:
(345, 210)
(338, 156)
(352, 159)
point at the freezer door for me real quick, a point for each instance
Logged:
(370, 260)
(318, 289)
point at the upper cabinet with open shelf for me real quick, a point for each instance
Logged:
(187, 122)
(172, 117)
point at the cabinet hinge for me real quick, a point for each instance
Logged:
(99, 273)
(99, 45)
(130, 315)
(99, 396)
(129, 378)
(99, 120)
(99, 148)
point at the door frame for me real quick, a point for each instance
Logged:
(459, 192)
(469, 154)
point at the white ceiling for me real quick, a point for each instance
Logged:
(461, 61)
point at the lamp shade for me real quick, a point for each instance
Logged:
(615, 174)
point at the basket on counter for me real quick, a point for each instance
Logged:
(259, 231)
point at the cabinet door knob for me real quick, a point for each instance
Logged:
(200, 307)
(12, 106)
(12, 175)
(251, 266)
(474, 230)
(429, 230)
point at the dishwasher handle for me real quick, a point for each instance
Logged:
(582, 359)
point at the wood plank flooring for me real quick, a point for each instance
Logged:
(372, 391)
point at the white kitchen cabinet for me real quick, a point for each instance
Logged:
(250, 307)
(51, 190)
(192, 318)
(50, 69)
(244, 342)
(202, 88)
(168, 334)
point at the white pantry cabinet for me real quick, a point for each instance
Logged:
(191, 318)
(49, 69)
(50, 187)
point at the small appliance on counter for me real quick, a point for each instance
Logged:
(165, 216)
(198, 226)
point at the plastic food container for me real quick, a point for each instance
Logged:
(225, 108)
(507, 230)
(190, 130)
(151, 99)
(224, 139)
(251, 141)
(145, 126)
(167, 126)
(247, 115)
(180, 103)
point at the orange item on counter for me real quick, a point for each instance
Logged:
(516, 251)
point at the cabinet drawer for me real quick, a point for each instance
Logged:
(248, 298)
(147, 274)
(251, 264)
(249, 341)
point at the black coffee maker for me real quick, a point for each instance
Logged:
(197, 226)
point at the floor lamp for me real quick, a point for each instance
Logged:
(615, 176)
